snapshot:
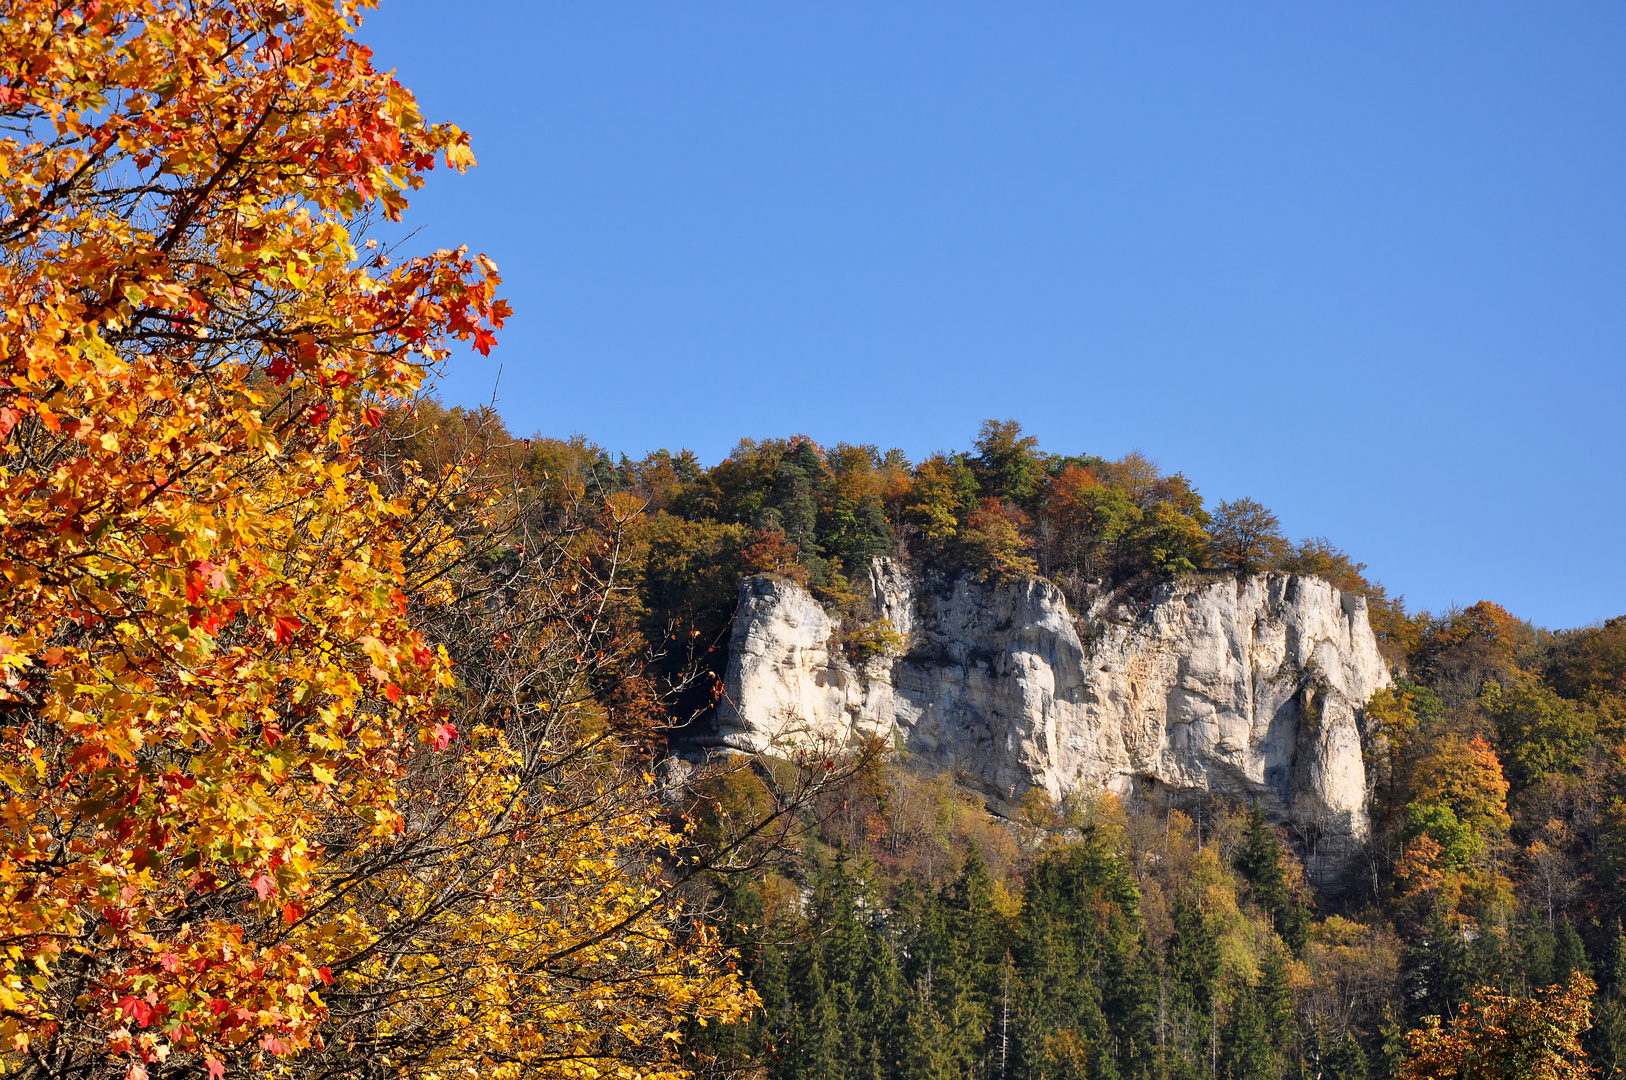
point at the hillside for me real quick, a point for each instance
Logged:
(928, 941)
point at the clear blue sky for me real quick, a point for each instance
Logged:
(1363, 262)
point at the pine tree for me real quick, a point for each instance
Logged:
(1246, 1040)
(1260, 861)
(1438, 970)
(1569, 953)
(1345, 1060)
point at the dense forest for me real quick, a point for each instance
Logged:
(907, 933)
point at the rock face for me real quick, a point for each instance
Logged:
(1253, 689)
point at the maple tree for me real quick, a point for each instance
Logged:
(253, 815)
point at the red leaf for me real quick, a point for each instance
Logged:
(264, 886)
(444, 734)
(392, 692)
(217, 1071)
(285, 627)
(325, 975)
(371, 416)
(8, 420)
(136, 1009)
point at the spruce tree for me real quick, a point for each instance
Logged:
(1192, 965)
(1438, 971)
(1345, 1060)
(1260, 861)
(1275, 995)
(1569, 953)
(1607, 1041)
(1245, 1043)
(925, 1052)
(815, 1030)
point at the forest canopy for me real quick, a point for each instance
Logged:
(910, 935)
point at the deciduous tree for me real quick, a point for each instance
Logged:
(1497, 1037)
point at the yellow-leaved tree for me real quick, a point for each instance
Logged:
(254, 816)
(1497, 1037)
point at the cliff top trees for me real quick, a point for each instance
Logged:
(1247, 537)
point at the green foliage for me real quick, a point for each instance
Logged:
(1008, 464)
(1460, 844)
(1260, 860)
(878, 638)
(1540, 733)
(1590, 664)
(1247, 538)
(1496, 759)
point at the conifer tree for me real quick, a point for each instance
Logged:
(1245, 1042)
(926, 1051)
(1345, 1060)
(1275, 994)
(1608, 1036)
(1441, 976)
(1569, 953)
(1260, 861)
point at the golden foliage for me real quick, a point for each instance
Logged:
(1497, 1037)
(237, 806)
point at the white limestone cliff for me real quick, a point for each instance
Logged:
(1253, 689)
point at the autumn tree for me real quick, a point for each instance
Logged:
(1247, 538)
(1497, 1037)
(255, 818)
(1008, 464)
(996, 541)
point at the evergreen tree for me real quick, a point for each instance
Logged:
(1438, 970)
(1192, 966)
(1275, 994)
(1537, 946)
(1607, 1042)
(793, 504)
(1345, 1060)
(926, 1051)
(1260, 861)
(1569, 954)
(815, 1030)
(1245, 1043)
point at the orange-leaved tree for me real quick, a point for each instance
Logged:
(1496, 1037)
(233, 776)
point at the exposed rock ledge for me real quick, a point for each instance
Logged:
(1254, 689)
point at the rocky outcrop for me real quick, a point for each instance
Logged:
(1253, 689)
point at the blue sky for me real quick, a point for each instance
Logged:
(1363, 262)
